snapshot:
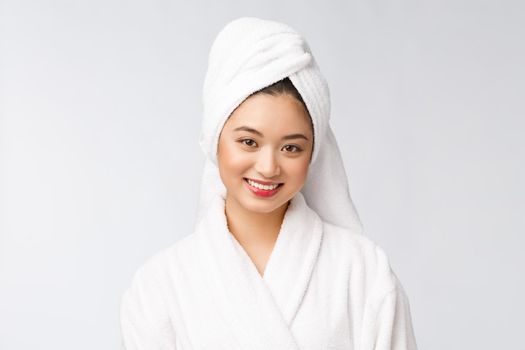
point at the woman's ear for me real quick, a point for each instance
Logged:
(219, 143)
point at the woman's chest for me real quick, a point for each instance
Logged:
(323, 319)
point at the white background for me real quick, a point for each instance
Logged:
(100, 110)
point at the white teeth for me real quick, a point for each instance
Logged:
(262, 187)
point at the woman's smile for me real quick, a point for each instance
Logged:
(262, 190)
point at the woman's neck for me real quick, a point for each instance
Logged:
(252, 229)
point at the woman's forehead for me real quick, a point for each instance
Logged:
(276, 114)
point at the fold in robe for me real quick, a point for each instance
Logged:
(323, 288)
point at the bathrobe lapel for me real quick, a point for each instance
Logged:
(260, 310)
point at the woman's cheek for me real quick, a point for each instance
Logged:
(301, 169)
(237, 159)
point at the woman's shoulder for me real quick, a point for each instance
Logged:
(160, 263)
(356, 243)
(363, 255)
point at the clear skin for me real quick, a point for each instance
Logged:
(255, 221)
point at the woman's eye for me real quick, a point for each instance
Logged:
(247, 142)
(292, 148)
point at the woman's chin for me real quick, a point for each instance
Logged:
(249, 201)
(264, 207)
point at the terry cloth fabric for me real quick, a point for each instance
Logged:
(325, 285)
(323, 288)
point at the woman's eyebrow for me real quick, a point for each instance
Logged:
(257, 132)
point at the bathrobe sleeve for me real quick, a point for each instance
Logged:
(144, 320)
(393, 322)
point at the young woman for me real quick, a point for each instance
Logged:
(277, 259)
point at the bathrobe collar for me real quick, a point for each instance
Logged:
(260, 309)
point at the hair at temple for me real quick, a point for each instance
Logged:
(283, 86)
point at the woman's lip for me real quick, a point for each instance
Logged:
(260, 192)
(264, 182)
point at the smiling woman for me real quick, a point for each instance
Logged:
(261, 168)
(277, 259)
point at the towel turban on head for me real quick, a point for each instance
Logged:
(247, 55)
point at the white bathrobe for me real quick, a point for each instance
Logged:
(324, 287)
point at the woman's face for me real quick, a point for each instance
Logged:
(267, 138)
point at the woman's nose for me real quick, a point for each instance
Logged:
(267, 164)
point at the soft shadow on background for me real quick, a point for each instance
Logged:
(100, 107)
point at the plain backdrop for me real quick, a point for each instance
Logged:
(100, 111)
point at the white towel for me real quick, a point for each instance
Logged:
(247, 55)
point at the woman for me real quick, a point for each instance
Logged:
(277, 259)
